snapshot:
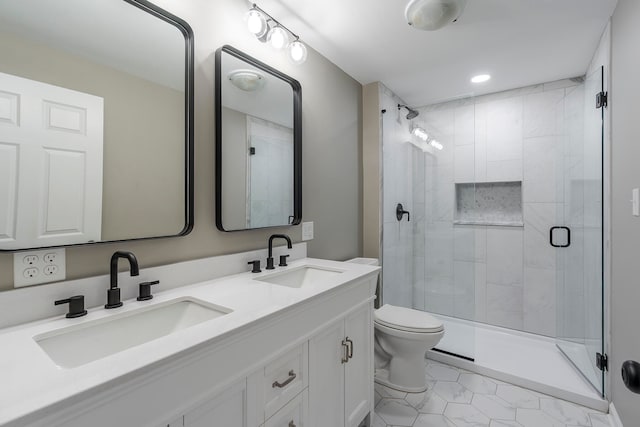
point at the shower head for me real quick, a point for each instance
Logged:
(412, 113)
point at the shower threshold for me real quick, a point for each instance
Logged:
(519, 358)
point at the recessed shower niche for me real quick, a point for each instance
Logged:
(489, 203)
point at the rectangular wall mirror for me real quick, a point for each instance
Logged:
(96, 125)
(258, 144)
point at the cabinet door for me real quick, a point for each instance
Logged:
(358, 383)
(226, 409)
(326, 377)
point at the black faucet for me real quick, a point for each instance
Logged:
(270, 258)
(113, 293)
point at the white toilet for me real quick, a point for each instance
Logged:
(402, 337)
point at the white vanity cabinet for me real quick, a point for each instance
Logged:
(308, 364)
(341, 368)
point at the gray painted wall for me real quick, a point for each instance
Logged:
(625, 228)
(331, 113)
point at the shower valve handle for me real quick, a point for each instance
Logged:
(400, 212)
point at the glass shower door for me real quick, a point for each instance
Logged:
(579, 275)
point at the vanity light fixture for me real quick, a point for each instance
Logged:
(247, 80)
(268, 29)
(480, 78)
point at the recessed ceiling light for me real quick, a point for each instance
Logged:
(481, 78)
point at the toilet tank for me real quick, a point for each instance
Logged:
(368, 261)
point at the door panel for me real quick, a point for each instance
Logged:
(326, 377)
(359, 368)
(57, 139)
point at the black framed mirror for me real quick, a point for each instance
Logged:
(96, 123)
(258, 144)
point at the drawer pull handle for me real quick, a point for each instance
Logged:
(292, 376)
(350, 348)
(292, 424)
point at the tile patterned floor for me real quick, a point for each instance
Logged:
(459, 398)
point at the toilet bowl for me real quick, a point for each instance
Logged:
(402, 337)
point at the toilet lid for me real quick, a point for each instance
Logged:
(407, 319)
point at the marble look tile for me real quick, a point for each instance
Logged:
(543, 169)
(396, 412)
(518, 92)
(503, 170)
(464, 415)
(494, 407)
(481, 291)
(565, 412)
(377, 397)
(536, 418)
(389, 393)
(559, 84)
(504, 256)
(539, 300)
(543, 113)
(470, 243)
(538, 219)
(464, 118)
(599, 420)
(504, 129)
(442, 372)
(518, 397)
(503, 423)
(430, 420)
(464, 164)
(426, 403)
(453, 392)
(377, 421)
(504, 305)
(478, 383)
(464, 290)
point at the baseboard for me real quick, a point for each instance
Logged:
(614, 417)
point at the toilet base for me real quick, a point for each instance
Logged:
(381, 377)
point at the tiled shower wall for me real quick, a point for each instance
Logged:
(505, 276)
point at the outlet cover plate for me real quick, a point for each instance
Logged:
(36, 267)
(307, 230)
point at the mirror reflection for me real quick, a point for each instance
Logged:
(94, 107)
(258, 143)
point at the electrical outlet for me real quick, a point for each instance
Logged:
(30, 273)
(35, 267)
(50, 270)
(307, 230)
(30, 259)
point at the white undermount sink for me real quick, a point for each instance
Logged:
(299, 277)
(76, 345)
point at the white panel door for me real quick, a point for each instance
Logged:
(326, 377)
(227, 409)
(51, 151)
(358, 372)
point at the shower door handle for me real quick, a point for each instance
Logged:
(568, 237)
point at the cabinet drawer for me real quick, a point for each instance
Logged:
(284, 378)
(293, 414)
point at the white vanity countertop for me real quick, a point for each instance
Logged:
(31, 381)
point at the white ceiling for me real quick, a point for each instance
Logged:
(518, 42)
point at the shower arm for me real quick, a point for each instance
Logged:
(400, 212)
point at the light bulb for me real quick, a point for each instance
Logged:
(436, 144)
(480, 78)
(298, 52)
(278, 37)
(256, 23)
(420, 133)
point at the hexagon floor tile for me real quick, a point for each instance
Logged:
(459, 398)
